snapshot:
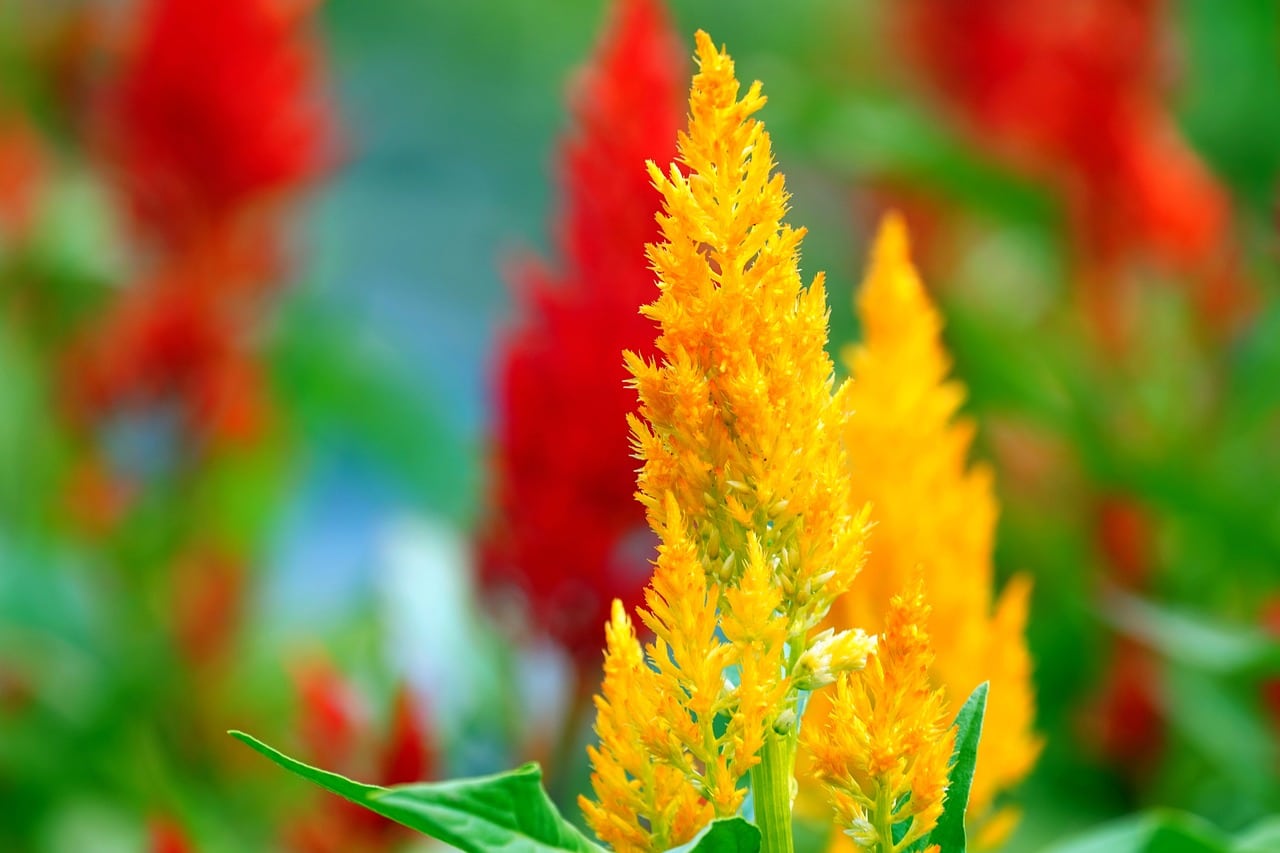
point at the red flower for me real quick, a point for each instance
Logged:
(338, 733)
(565, 528)
(216, 109)
(1128, 715)
(1127, 721)
(168, 836)
(1071, 91)
(1271, 686)
(23, 168)
(183, 335)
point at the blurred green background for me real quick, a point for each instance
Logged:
(1139, 471)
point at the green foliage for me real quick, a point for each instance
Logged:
(1161, 831)
(731, 835)
(491, 812)
(1192, 639)
(949, 834)
(504, 811)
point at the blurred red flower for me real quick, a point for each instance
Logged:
(168, 836)
(565, 528)
(23, 172)
(1129, 720)
(216, 109)
(215, 114)
(1271, 686)
(183, 335)
(1072, 92)
(338, 733)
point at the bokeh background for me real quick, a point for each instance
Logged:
(262, 265)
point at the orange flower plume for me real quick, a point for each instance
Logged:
(908, 457)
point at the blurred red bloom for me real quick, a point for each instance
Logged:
(1125, 538)
(1129, 717)
(206, 603)
(183, 336)
(216, 109)
(331, 715)
(1072, 91)
(23, 168)
(1127, 721)
(338, 733)
(565, 528)
(215, 114)
(168, 836)
(1271, 686)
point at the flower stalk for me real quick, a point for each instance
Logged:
(771, 786)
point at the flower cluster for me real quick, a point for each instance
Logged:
(564, 529)
(216, 111)
(935, 515)
(213, 118)
(745, 482)
(1072, 91)
(883, 751)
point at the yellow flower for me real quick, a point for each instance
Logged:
(908, 457)
(884, 750)
(745, 481)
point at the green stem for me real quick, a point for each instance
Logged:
(883, 820)
(771, 788)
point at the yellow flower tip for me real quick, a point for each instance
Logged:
(706, 48)
(619, 622)
(893, 244)
(909, 455)
(893, 298)
(996, 829)
(886, 742)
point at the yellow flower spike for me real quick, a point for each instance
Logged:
(628, 782)
(744, 479)
(883, 751)
(908, 457)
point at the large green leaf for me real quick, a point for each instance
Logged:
(729, 835)
(949, 833)
(1193, 639)
(506, 811)
(1164, 831)
(1263, 837)
(1150, 832)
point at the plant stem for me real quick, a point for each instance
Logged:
(771, 788)
(883, 820)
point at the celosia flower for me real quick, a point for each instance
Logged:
(564, 528)
(165, 835)
(933, 514)
(175, 337)
(1072, 92)
(883, 753)
(745, 482)
(215, 110)
(339, 732)
(23, 170)
(214, 114)
(1126, 718)
(1270, 689)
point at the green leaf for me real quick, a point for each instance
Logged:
(1151, 832)
(1262, 837)
(504, 811)
(949, 833)
(728, 835)
(1192, 639)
